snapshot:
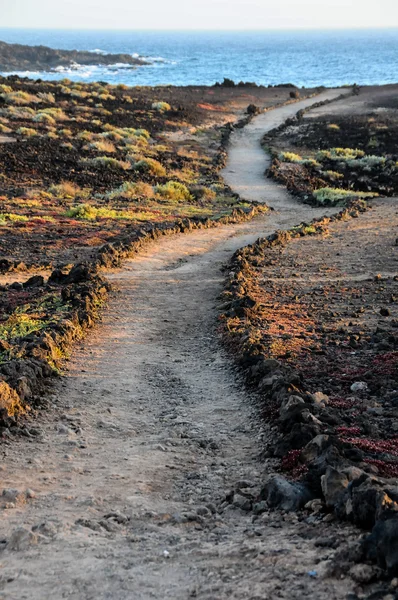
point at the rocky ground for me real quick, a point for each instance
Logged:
(93, 173)
(144, 476)
(84, 164)
(334, 153)
(156, 469)
(310, 316)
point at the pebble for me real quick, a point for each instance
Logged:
(11, 495)
(21, 538)
(359, 386)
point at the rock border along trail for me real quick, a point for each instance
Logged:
(150, 430)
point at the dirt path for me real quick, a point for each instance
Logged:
(146, 436)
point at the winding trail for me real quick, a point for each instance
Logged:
(150, 430)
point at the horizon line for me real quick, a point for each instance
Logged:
(202, 30)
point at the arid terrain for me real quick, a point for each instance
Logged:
(228, 429)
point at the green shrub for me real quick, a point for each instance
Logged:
(161, 106)
(87, 212)
(4, 217)
(4, 129)
(340, 154)
(19, 98)
(151, 166)
(101, 146)
(65, 189)
(367, 162)
(132, 190)
(106, 162)
(26, 131)
(332, 196)
(290, 157)
(173, 190)
(42, 117)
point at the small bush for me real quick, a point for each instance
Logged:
(20, 98)
(173, 190)
(106, 162)
(4, 217)
(290, 157)
(161, 106)
(4, 129)
(340, 154)
(20, 112)
(42, 117)
(332, 196)
(151, 166)
(333, 126)
(65, 132)
(101, 146)
(132, 190)
(87, 212)
(65, 189)
(26, 132)
(46, 97)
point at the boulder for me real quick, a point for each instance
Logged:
(315, 447)
(35, 281)
(285, 495)
(382, 544)
(334, 484)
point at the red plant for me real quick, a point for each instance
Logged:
(349, 430)
(387, 469)
(375, 446)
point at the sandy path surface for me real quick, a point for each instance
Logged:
(148, 433)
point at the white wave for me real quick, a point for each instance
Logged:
(156, 59)
(99, 51)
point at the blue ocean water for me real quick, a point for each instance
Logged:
(305, 58)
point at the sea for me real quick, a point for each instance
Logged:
(304, 58)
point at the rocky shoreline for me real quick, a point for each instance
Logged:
(19, 57)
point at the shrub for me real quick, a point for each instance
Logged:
(333, 174)
(46, 97)
(340, 154)
(65, 189)
(65, 132)
(173, 190)
(4, 217)
(332, 196)
(87, 212)
(367, 162)
(132, 190)
(333, 126)
(4, 129)
(18, 112)
(83, 211)
(161, 106)
(101, 146)
(151, 166)
(5, 89)
(19, 98)
(19, 325)
(57, 113)
(107, 162)
(290, 157)
(42, 117)
(26, 131)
